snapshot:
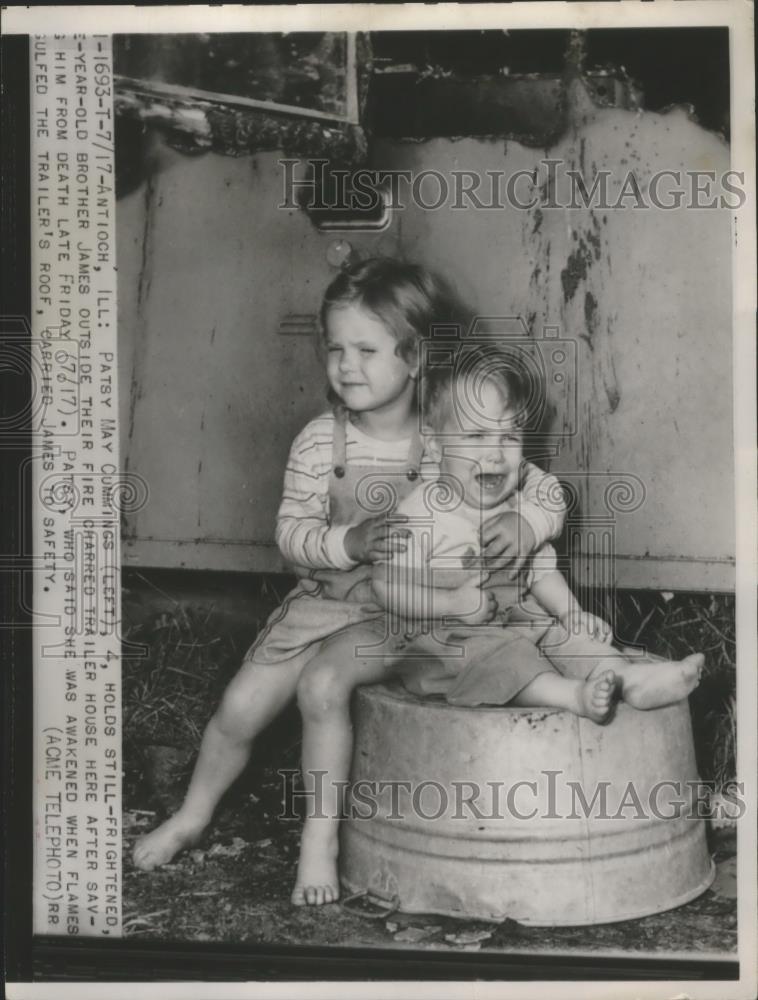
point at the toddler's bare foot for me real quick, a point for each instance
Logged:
(162, 844)
(317, 881)
(657, 684)
(596, 696)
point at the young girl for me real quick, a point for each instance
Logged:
(346, 471)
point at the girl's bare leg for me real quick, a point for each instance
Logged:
(592, 698)
(256, 694)
(324, 691)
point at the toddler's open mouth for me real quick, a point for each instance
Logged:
(491, 482)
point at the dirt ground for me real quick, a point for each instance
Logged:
(234, 886)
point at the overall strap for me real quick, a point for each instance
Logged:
(339, 448)
(341, 479)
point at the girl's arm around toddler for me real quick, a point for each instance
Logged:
(512, 537)
(303, 532)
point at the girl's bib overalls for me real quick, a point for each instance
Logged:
(327, 602)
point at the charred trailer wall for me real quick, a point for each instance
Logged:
(641, 295)
(215, 281)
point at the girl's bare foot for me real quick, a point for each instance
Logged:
(595, 696)
(653, 685)
(162, 844)
(317, 881)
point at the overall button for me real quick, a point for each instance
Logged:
(412, 474)
(339, 471)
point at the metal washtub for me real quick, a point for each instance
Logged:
(531, 814)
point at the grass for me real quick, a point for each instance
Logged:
(167, 695)
(193, 648)
(672, 626)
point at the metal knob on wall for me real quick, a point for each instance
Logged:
(340, 254)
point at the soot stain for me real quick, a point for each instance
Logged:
(575, 271)
(594, 240)
(590, 317)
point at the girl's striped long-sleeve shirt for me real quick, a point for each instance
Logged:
(304, 533)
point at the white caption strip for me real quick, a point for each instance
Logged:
(77, 492)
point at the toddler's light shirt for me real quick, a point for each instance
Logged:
(445, 538)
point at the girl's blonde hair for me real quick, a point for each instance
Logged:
(406, 298)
